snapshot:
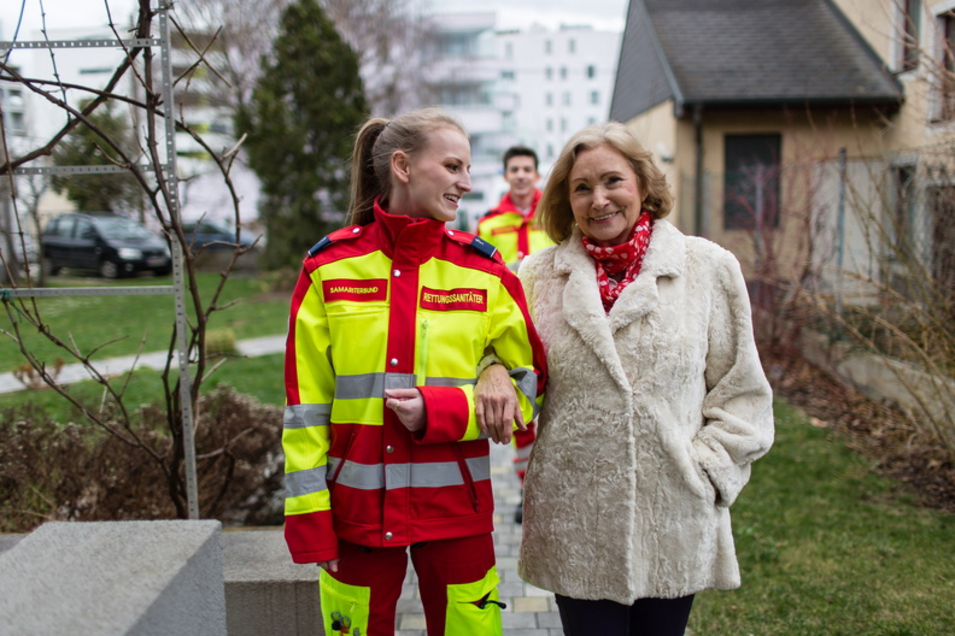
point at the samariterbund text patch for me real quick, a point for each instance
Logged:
(355, 290)
(454, 299)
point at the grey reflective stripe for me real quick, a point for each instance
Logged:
(304, 415)
(526, 381)
(450, 381)
(427, 475)
(370, 385)
(305, 482)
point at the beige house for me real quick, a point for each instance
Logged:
(814, 138)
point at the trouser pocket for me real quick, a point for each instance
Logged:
(474, 608)
(345, 608)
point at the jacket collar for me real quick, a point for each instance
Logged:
(583, 310)
(406, 238)
(506, 204)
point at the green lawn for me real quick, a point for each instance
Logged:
(826, 547)
(94, 320)
(259, 377)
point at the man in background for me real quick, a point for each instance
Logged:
(510, 226)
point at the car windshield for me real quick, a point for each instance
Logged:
(120, 228)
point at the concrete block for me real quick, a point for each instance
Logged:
(135, 578)
(7, 541)
(265, 592)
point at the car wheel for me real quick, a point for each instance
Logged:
(49, 269)
(109, 269)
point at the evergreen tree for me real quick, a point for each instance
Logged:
(115, 192)
(301, 122)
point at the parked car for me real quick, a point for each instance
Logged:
(113, 245)
(209, 235)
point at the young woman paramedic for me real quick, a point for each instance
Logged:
(385, 454)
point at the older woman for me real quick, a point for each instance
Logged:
(656, 404)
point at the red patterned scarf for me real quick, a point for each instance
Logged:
(625, 258)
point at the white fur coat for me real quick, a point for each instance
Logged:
(652, 417)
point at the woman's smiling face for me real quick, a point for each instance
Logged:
(605, 195)
(439, 175)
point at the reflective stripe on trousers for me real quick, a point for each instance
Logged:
(456, 577)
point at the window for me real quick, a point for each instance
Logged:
(563, 72)
(591, 71)
(751, 182)
(550, 151)
(507, 75)
(595, 97)
(941, 204)
(910, 30)
(509, 51)
(547, 47)
(549, 99)
(549, 73)
(550, 125)
(902, 223)
(568, 98)
(508, 121)
(563, 124)
(456, 44)
(946, 29)
(462, 95)
(572, 46)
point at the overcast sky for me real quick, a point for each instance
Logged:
(60, 14)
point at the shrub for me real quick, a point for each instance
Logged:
(50, 471)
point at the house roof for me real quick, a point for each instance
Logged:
(746, 53)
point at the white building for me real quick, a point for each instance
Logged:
(535, 87)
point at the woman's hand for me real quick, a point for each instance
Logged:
(408, 405)
(496, 405)
(330, 566)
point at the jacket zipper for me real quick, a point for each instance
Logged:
(422, 375)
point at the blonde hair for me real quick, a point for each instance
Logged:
(377, 140)
(555, 215)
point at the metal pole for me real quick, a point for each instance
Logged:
(840, 238)
(172, 180)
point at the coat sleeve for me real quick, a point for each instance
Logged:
(514, 340)
(309, 389)
(738, 406)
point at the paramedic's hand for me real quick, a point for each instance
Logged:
(496, 405)
(331, 566)
(408, 405)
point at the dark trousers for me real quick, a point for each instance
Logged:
(646, 617)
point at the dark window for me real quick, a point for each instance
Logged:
(751, 183)
(911, 28)
(946, 26)
(903, 213)
(591, 71)
(941, 202)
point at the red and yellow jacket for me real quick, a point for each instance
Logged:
(513, 234)
(397, 303)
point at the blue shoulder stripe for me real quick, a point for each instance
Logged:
(483, 247)
(318, 247)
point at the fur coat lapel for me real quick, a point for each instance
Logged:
(583, 309)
